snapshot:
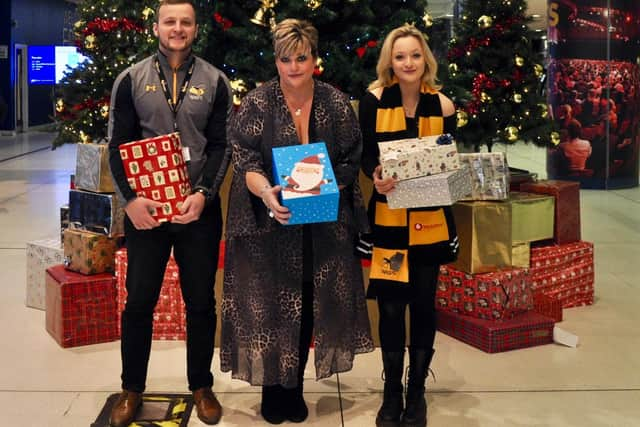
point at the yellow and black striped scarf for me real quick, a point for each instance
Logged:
(402, 236)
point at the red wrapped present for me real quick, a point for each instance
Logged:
(547, 306)
(498, 295)
(170, 315)
(156, 169)
(564, 272)
(526, 330)
(567, 210)
(80, 309)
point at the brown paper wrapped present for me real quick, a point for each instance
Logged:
(89, 253)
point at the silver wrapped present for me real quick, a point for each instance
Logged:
(41, 254)
(92, 168)
(416, 157)
(442, 189)
(489, 175)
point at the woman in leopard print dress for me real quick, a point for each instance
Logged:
(286, 287)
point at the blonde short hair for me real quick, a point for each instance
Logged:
(291, 34)
(384, 70)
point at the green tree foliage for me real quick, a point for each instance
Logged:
(495, 76)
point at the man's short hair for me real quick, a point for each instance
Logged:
(168, 2)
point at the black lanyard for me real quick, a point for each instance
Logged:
(183, 90)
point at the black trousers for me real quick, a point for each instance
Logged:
(195, 248)
(422, 313)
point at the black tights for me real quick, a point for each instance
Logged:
(422, 313)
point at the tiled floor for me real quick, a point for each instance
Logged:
(595, 384)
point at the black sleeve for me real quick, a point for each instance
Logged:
(367, 112)
(216, 151)
(125, 128)
(450, 124)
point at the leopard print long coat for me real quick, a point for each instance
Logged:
(262, 291)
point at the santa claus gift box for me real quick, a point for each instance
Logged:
(443, 189)
(170, 315)
(156, 169)
(567, 207)
(489, 175)
(500, 295)
(80, 309)
(309, 187)
(41, 254)
(92, 168)
(525, 330)
(97, 212)
(416, 157)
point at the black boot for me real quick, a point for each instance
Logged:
(415, 413)
(272, 406)
(391, 409)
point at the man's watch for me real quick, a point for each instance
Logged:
(202, 190)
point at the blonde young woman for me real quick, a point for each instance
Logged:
(404, 102)
(286, 285)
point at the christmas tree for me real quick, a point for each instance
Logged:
(495, 76)
(233, 35)
(113, 35)
(351, 33)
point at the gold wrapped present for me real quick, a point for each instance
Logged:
(521, 254)
(416, 157)
(484, 232)
(92, 168)
(531, 216)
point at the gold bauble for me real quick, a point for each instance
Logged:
(539, 70)
(319, 65)
(484, 97)
(519, 60)
(90, 41)
(84, 138)
(453, 68)
(461, 118)
(428, 20)
(59, 105)
(485, 22)
(511, 133)
(147, 12)
(239, 89)
(314, 4)
(104, 111)
(517, 98)
(555, 138)
(544, 110)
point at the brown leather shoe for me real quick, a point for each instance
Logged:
(207, 406)
(124, 411)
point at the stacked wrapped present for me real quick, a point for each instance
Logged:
(428, 171)
(502, 293)
(81, 281)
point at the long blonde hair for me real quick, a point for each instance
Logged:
(384, 70)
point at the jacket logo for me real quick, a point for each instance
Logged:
(196, 92)
(150, 88)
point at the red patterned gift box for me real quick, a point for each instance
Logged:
(567, 209)
(499, 295)
(156, 169)
(169, 317)
(547, 306)
(565, 272)
(526, 330)
(80, 309)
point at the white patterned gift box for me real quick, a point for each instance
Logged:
(443, 189)
(416, 157)
(41, 254)
(489, 175)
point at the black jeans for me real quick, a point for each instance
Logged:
(195, 248)
(422, 313)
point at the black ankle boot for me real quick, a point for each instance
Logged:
(391, 409)
(296, 408)
(415, 413)
(272, 406)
